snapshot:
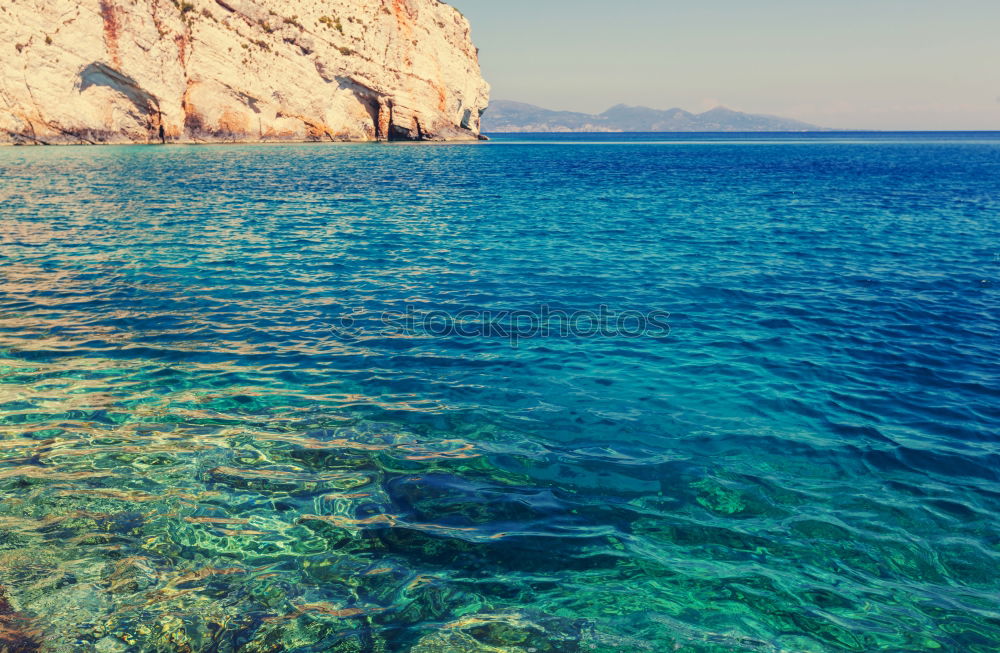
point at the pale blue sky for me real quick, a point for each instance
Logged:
(875, 64)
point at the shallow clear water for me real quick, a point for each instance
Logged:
(215, 436)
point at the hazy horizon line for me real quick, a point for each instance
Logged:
(819, 128)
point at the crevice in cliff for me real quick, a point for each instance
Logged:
(384, 129)
(34, 103)
(376, 104)
(70, 133)
(18, 136)
(189, 123)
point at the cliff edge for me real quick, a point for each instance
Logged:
(161, 71)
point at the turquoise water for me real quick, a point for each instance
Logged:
(248, 401)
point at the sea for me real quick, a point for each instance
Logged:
(551, 393)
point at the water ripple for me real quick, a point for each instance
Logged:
(197, 455)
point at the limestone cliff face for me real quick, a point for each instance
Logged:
(151, 71)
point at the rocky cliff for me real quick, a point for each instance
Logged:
(151, 71)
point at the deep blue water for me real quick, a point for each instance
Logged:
(251, 397)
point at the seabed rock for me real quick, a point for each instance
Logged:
(508, 633)
(17, 631)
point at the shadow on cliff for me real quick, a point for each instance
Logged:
(147, 106)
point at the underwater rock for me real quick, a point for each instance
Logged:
(508, 633)
(717, 498)
(17, 632)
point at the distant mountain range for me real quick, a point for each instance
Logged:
(506, 116)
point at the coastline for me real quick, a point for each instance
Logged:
(458, 141)
(573, 137)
